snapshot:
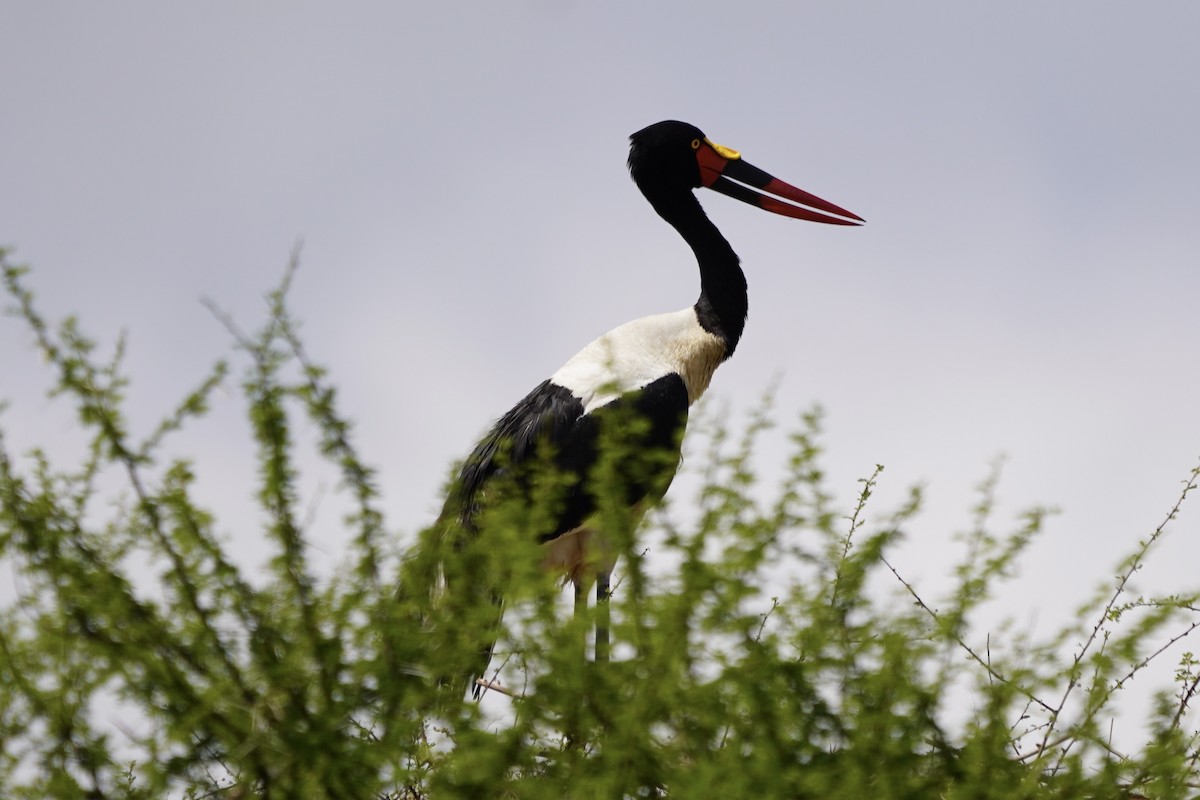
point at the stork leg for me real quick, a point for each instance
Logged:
(581, 610)
(603, 647)
(580, 598)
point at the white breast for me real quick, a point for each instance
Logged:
(640, 352)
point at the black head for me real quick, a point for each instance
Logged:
(669, 159)
(662, 157)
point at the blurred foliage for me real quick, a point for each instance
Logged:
(778, 655)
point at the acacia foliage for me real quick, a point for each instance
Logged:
(778, 653)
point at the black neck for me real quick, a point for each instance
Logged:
(723, 302)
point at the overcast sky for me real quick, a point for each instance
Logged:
(1027, 282)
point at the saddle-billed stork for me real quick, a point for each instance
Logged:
(654, 368)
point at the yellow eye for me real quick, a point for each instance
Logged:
(695, 144)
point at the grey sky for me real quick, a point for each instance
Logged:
(1027, 282)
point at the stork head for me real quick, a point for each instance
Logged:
(672, 157)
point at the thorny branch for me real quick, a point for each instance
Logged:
(966, 647)
(1133, 565)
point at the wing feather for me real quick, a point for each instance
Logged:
(551, 416)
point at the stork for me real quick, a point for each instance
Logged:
(655, 367)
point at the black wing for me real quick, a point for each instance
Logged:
(546, 414)
(552, 417)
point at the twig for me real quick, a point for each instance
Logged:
(856, 522)
(1135, 563)
(1137, 667)
(987, 666)
(1186, 698)
(495, 686)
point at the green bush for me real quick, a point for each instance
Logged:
(780, 655)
